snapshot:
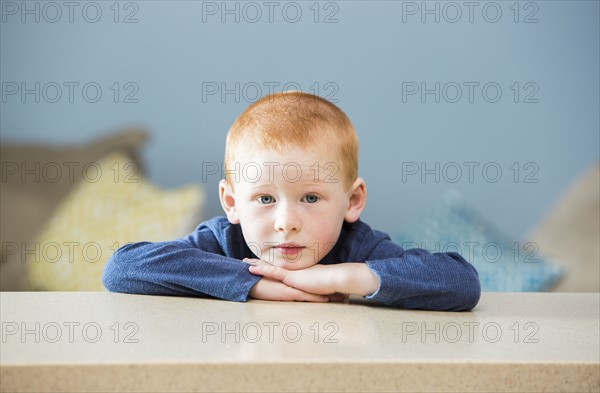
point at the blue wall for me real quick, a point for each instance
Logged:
(371, 58)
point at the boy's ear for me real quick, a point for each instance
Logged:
(357, 200)
(227, 199)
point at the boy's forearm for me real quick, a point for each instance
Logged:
(427, 281)
(356, 279)
(147, 268)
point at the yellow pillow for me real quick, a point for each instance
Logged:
(111, 207)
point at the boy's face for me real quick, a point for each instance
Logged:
(291, 209)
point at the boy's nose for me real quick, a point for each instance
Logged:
(287, 220)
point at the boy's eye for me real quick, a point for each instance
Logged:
(311, 198)
(265, 199)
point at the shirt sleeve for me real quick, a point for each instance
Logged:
(418, 279)
(192, 266)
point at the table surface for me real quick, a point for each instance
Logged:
(508, 335)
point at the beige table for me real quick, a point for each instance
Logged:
(101, 342)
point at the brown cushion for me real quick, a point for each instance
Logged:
(570, 234)
(36, 177)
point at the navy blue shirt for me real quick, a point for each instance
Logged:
(207, 262)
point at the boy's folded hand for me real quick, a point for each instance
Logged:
(345, 278)
(272, 289)
(269, 289)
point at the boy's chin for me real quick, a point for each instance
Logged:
(293, 264)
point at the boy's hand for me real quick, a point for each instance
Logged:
(269, 289)
(347, 278)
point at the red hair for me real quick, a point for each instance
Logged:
(295, 119)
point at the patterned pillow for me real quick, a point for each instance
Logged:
(504, 264)
(110, 208)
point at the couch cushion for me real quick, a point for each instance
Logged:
(99, 217)
(503, 263)
(36, 177)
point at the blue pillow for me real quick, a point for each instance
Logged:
(504, 264)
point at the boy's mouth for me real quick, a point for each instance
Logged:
(289, 248)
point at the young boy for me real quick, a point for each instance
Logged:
(293, 199)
